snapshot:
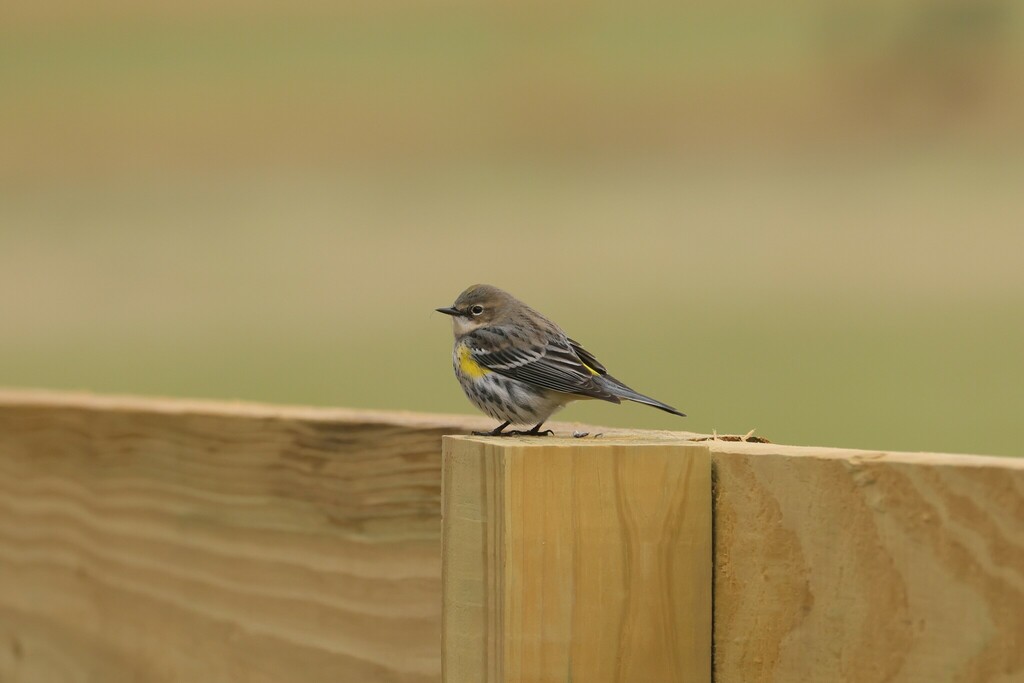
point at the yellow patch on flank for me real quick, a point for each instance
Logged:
(468, 366)
(592, 370)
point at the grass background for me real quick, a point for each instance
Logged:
(802, 219)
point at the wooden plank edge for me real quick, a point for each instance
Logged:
(861, 457)
(127, 403)
(83, 400)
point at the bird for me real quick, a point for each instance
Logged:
(519, 367)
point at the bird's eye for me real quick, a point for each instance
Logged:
(476, 310)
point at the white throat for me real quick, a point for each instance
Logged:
(462, 326)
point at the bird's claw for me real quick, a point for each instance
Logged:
(530, 432)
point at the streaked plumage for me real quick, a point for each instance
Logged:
(519, 367)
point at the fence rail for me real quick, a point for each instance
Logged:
(158, 540)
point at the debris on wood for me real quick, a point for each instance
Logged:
(746, 438)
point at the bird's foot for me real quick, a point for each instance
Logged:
(530, 432)
(497, 431)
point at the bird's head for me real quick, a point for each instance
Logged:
(477, 307)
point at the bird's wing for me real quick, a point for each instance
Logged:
(550, 362)
(587, 357)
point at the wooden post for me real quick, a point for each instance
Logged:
(151, 540)
(576, 560)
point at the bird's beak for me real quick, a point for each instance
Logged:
(448, 311)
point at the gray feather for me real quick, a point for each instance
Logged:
(616, 387)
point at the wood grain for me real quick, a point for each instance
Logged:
(161, 541)
(838, 565)
(181, 541)
(569, 560)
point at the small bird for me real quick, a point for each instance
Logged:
(520, 368)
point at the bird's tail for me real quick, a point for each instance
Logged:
(619, 389)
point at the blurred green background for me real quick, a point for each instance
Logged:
(805, 218)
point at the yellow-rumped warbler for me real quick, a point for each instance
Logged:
(519, 367)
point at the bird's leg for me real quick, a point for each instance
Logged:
(537, 432)
(497, 430)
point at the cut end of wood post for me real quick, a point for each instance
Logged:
(569, 559)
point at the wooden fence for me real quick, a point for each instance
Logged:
(166, 541)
